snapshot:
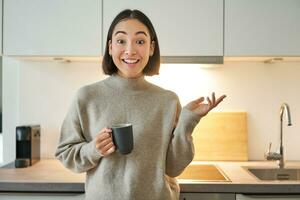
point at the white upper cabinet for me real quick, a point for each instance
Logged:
(52, 27)
(184, 28)
(262, 28)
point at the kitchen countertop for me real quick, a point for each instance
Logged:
(50, 176)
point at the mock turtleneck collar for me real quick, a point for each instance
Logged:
(119, 82)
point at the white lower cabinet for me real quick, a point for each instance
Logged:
(207, 196)
(267, 197)
(41, 196)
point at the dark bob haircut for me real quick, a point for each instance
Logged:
(152, 67)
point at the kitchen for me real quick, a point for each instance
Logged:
(40, 75)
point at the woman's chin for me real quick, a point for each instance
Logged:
(130, 75)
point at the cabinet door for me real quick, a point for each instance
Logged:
(55, 27)
(267, 197)
(41, 196)
(262, 28)
(184, 28)
(206, 196)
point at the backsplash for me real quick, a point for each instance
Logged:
(46, 90)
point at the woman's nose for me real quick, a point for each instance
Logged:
(130, 49)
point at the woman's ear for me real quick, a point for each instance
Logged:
(109, 47)
(152, 47)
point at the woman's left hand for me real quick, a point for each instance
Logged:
(199, 107)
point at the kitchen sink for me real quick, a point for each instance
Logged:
(205, 173)
(275, 174)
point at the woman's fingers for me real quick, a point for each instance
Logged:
(213, 102)
(103, 135)
(195, 103)
(213, 98)
(202, 108)
(109, 148)
(104, 143)
(220, 99)
(210, 104)
(199, 100)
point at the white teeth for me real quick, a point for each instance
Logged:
(130, 61)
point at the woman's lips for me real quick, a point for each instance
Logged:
(130, 61)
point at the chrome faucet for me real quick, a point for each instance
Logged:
(274, 155)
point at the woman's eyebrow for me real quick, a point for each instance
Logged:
(141, 32)
(137, 33)
(120, 32)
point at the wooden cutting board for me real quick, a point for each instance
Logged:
(221, 136)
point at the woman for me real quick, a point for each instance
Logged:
(163, 144)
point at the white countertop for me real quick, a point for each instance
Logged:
(50, 176)
(237, 174)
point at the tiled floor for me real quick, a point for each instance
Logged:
(1, 148)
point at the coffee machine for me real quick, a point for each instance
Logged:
(27, 145)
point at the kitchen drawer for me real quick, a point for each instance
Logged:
(207, 196)
(42, 196)
(267, 197)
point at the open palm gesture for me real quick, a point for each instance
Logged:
(199, 107)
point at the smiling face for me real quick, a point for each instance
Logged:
(131, 47)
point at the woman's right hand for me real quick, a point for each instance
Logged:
(104, 143)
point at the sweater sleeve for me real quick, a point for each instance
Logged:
(181, 148)
(74, 151)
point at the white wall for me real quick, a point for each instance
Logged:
(10, 103)
(46, 89)
(255, 87)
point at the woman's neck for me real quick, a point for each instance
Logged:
(123, 83)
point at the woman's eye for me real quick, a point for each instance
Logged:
(140, 42)
(120, 41)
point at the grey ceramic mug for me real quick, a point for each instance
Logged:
(123, 137)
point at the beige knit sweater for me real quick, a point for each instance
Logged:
(163, 144)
